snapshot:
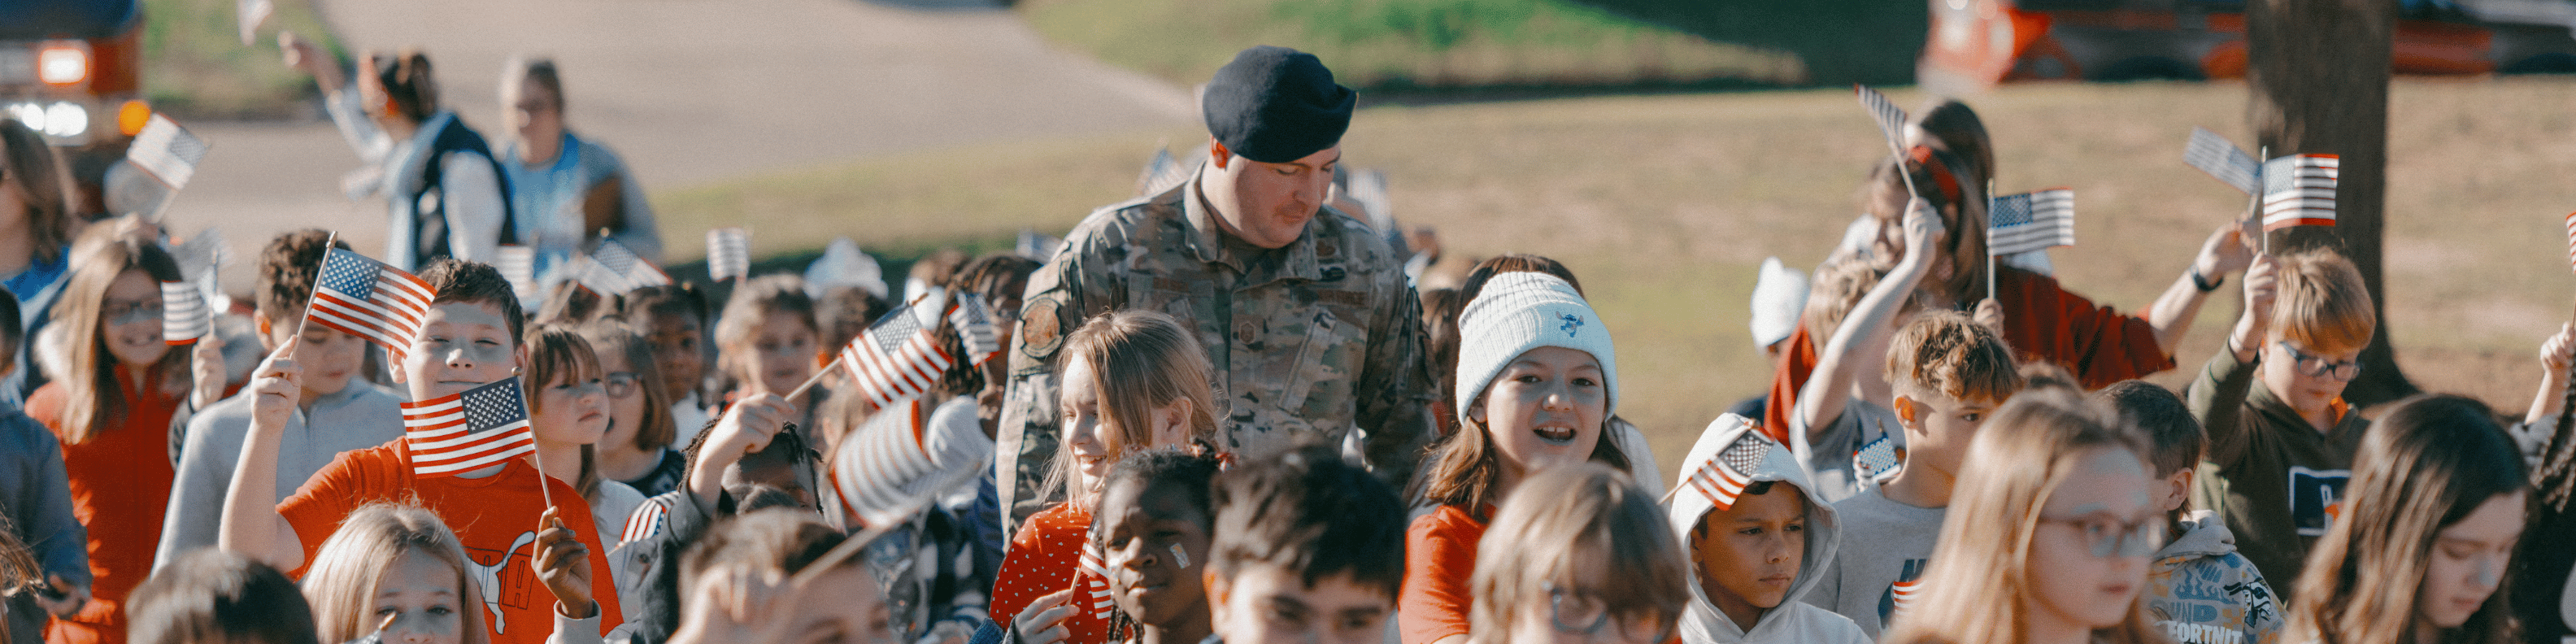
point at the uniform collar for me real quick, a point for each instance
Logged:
(1207, 240)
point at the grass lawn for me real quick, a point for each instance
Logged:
(1415, 44)
(1664, 205)
(196, 66)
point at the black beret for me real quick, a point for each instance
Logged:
(1276, 105)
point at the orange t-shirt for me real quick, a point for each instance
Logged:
(1439, 559)
(120, 484)
(2042, 322)
(1051, 553)
(495, 517)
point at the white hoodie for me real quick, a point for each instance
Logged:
(1704, 475)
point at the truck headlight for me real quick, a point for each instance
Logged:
(66, 119)
(62, 64)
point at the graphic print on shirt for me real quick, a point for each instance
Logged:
(2217, 601)
(2313, 495)
(488, 577)
(1902, 592)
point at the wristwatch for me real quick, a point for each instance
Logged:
(2203, 283)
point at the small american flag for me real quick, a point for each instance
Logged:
(974, 323)
(1891, 120)
(184, 317)
(617, 257)
(2299, 190)
(518, 265)
(2031, 221)
(599, 278)
(649, 519)
(1093, 579)
(1875, 459)
(1905, 592)
(368, 299)
(2571, 240)
(1725, 476)
(895, 359)
(166, 151)
(728, 253)
(2218, 157)
(466, 431)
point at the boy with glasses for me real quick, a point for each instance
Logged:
(2281, 438)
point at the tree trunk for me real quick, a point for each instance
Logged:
(2318, 77)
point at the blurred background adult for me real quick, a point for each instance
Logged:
(568, 192)
(442, 186)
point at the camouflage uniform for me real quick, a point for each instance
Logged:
(1310, 340)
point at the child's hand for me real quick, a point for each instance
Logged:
(208, 370)
(277, 386)
(564, 565)
(2260, 288)
(1990, 313)
(61, 597)
(1043, 621)
(2226, 251)
(2559, 350)
(748, 427)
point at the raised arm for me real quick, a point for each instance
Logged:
(746, 428)
(2226, 251)
(252, 524)
(1870, 323)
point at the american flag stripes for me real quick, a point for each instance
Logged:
(597, 277)
(974, 323)
(2221, 159)
(368, 299)
(2031, 221)
(2571, 240)
(1891, 120)
(518, 265)
(1724, 477)
(184, 317)
(895, 359)
(728, 253)
(462, 432)
(166, 151)
(1905, 592)
(623, 261)
(1093, 579)
(2299, 190)
(899, 455)
(648, 519)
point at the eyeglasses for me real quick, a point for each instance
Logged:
(1579, 613)
(129, 312)
(2317, 366)
(621, 384)
(2107, 536)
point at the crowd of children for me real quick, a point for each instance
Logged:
(1950, 451)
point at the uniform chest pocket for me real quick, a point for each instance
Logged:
(1325, 374)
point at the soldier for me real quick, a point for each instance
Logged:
(1303, 310)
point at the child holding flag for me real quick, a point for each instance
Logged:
(1133, 380)
(111, 407)
(1758, 536)
(2281, 437)
(455, 333)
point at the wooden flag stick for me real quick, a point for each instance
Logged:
(2262, 158)
(306, 320)
(545, 488)
(817, 379)
(1990, 249)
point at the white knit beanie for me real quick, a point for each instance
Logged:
(1520, 311)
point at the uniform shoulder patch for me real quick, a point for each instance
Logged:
(1042, 326)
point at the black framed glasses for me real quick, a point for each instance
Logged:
(1575, 612)
(2107, 536)
(2317, 366)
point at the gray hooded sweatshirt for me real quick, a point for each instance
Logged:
(1729, 452)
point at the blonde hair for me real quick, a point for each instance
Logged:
(341, 585)
(95, 401)
(1943, 352)
(2323, 304)
(1978, 586)
(1140, 360)
(2426, 464)
(1839, 286)
(556, 352)
(1583, 507)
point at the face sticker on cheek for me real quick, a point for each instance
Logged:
(1180, 558)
